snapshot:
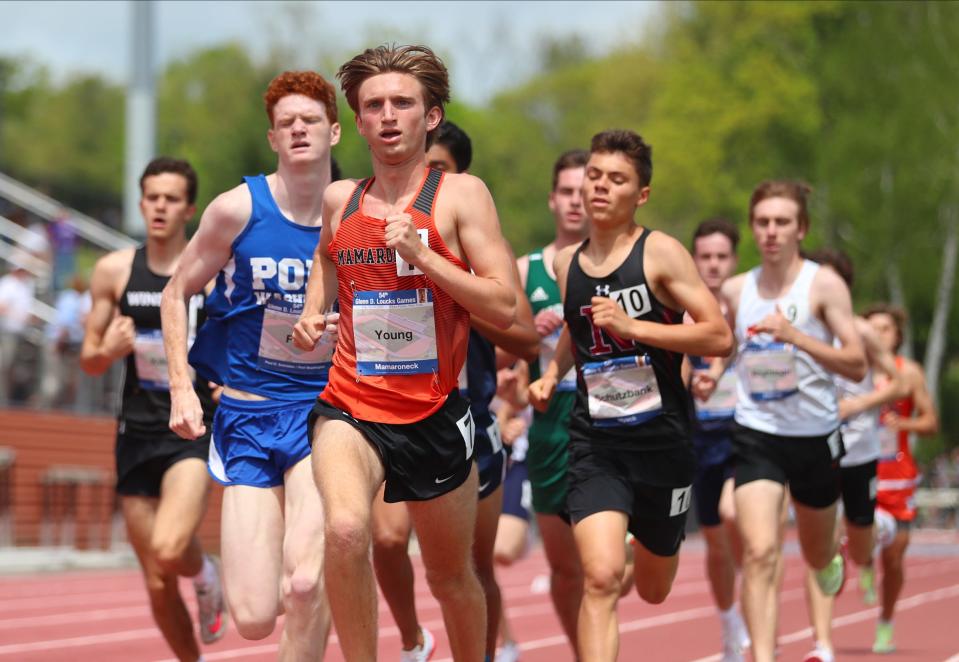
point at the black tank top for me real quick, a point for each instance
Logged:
(627, 285)
(145, 408)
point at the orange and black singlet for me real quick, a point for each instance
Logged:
(402, 339)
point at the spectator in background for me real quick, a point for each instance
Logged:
(63, 242)
(64, 337)
(36, 242)
(16, 297)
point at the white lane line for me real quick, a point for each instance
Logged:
(91, 640)
(92, 599)
(865, 615)
(88, 616)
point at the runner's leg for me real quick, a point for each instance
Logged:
(166, 604)
(307, 622)
(394, 570)
(444, 529)
(599, 539)
(487, 519)
(759, 505)
(566, 572)
(252, 547)
(893, 572)
(348, 473)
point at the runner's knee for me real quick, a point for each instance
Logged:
(347, 533)
(162, 588)
(761, 556)
(653, 590)
(253, 622)
(390, 541)
(168, 551)
(603, 580)
(301, 589)
(449, 579)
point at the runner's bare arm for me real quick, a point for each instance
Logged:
(521, 339)
(541, 391)
(829, 296)
(674, 278)
(488, 292)
(208, 251)
(107, 336)
(321, 285)
(926, 420)
(882, 361)
(848, 360)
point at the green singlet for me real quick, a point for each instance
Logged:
(547, 457)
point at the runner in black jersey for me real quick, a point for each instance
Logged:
(161, 479)
(625, 290)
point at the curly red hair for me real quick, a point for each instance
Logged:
(308, 83)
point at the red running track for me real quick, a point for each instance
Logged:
(104, 616)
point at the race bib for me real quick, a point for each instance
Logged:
(622, 391)
(888, 444)
(277, 351)
(150, 359)
(404, 268)
(721, 405)
(395, 332)
(770, 371)
(495, 438)
(548, 350)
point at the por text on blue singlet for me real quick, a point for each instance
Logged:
(246, 343)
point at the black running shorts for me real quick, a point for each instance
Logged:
(708, 489)
(143, 459)
(858, 484)
(652, 487)
(809, 465)
(421, 460)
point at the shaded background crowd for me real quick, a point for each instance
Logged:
(859, 99)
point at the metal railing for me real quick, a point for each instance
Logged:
(46, 207)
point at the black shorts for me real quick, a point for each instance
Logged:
(809, 465)
(421, 460)
(143, 459)
(653, 488)
(707, 490)
(858, 484)
(517, 491)
(492, 472)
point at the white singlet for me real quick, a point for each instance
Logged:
(799, 399)
(860, 434)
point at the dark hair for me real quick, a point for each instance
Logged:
(897, 314)
(798, 192)
(417, 61)
(631, 145)
(457, 142)
(574, 158)
(717, 225)
(309, 84)
(835, 258)
(163, 164)
(335, 173)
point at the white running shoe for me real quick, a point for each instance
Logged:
(421, 653)
(508, 652)
(211, 607)
(735, 637)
